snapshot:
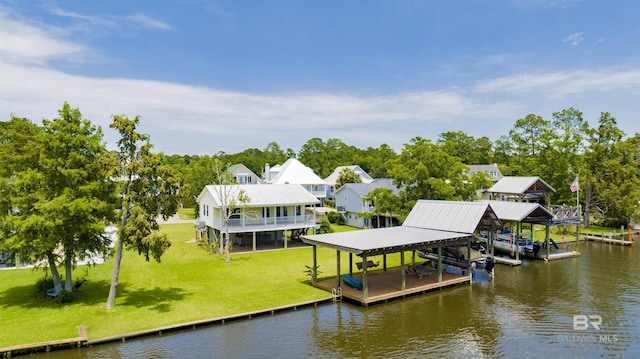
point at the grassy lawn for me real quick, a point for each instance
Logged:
(187, 213)
(188, 285)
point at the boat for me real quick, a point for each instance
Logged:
(456, 256)
(352, 281)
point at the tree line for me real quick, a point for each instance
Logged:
(604, 159)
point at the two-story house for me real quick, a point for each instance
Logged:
(353, 205)
(333, 178)
(294, 172)
(270, 211)
(243, 175)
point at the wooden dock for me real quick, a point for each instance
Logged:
(387, 285)
(509, 261)
(562, 255)
(609, 239)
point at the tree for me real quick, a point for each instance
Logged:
(385, 202)
(60, 207)
(347, 176)
(150, 189)
(425, 171)
(229, 197)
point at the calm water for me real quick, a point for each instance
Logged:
(525, 311)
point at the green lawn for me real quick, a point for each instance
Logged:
(188, 285)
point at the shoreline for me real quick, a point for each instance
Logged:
(83, 341)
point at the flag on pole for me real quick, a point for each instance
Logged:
(574, 185)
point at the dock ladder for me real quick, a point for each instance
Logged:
(336, 293)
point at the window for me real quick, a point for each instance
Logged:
(266, 212)
(277, 211)
(298, 211)
(285, 211)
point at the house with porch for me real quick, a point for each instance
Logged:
(354, 206)
(294, 172)
(333, 178)
(271, 210)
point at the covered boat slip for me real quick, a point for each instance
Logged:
(519, 243)
(414, 234)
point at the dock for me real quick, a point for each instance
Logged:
(609, 239)
(562, 255)
(385, 285)
(509, 261)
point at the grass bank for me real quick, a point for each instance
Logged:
(188, 285)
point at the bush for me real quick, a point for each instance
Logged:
(65, 297)
(41, 286)
(334, 217)
(330, 203)
(325, 226)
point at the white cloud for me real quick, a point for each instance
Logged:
(26, 43)
(562, 83)
(148, 22)
(575, 39)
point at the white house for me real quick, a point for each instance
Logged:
(294, 172)
(333, 178)
(270, 210)
(351, 202)
(243, 175)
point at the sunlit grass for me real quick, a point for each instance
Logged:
(188, 285)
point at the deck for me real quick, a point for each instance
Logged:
(386, 285)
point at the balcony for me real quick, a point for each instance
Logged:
(247, 224)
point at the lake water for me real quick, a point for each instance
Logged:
(536, 310)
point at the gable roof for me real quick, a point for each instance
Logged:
(452, 216)
(263, 195)
(363, 189)
(455, 223)
(489, 169)
(521, 186)
(233, 169)
(333, 177)
(520, 212)
(294, 172)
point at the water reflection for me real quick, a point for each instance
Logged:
(524, 311)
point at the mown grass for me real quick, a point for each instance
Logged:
(188, 285)
(187, 213)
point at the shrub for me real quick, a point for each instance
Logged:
(325, 226)
(41, 286)
(65, 297)
(334, 217)
(330, 203)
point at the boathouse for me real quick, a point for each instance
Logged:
(431, 224)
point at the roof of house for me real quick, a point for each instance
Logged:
(454, 223)
(490, 169)
(263, 195)
(246, 170)
(294, 172)
(363, 189)
(452, 216)
(521, 186)
(520, 211)
(333, 177)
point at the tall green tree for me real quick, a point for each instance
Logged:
(60, 208)
(425, 171)
(149, 189)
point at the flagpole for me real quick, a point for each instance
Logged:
(578, 193)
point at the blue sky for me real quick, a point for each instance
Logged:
(209, 76)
